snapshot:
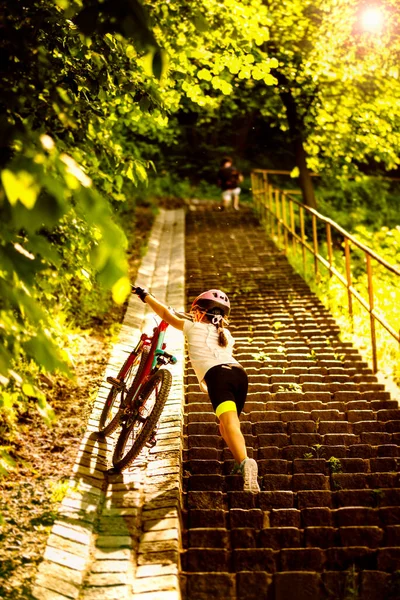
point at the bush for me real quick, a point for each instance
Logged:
(369, 201)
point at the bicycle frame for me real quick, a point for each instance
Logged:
(157, 346)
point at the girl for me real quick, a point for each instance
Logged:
(219, 374)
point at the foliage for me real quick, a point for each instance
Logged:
(368, 201)
(89, 97)
(343, 82)
(308, 455)
(57, 230)
(340, 85)
(334, 464)
(318, 450)
(79, 142)
(168, 189)
(290, 387)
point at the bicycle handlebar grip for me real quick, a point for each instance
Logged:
(141, 292)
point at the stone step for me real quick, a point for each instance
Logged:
(279, 466)
(324, 432)
(307, 536)
(319, 559)
(280, 585)
(299, 480)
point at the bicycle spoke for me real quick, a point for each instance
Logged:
(116, 399)
(132, 438)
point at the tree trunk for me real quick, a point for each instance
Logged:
(242, 134)
(306, 183)
(295, 129)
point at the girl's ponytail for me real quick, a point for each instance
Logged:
(217, 319)
(222, 341)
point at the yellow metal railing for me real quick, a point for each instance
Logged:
(284, 218)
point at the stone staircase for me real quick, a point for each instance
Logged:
(325, 434)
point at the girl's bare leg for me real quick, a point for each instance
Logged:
(229, 426)
(226, 202)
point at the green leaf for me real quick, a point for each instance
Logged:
(46, 353)
(140, 171)
(45, 410)
(130, 51)
(21, 186)
(63, 95)
(144, 103)
(294, 172)
(46, 213)
(40, 245)
(121, 290)
(201, 24)
(32, 391)
(204, 74)
(119, 181)
(7, 463)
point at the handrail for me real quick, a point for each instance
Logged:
(272, 206)
(285, 172)
(279, 172)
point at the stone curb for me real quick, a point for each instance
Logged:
(121, 538)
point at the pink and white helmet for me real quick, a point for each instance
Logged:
(213, 299)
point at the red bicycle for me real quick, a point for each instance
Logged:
(137, 396)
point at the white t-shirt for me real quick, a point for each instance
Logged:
(204, 350)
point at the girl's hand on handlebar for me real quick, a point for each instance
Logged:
(141, 292)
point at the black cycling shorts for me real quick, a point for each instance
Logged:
(227, 387)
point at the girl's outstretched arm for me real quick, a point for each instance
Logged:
(160, 309)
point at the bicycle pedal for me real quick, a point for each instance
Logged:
(151, 442)
(117, 383)
(112, 471)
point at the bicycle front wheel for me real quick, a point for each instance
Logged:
(127, 378)
(138, 429)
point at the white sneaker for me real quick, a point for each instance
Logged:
(250, 472)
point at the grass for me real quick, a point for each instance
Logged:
(357, 330)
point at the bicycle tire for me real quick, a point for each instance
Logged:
(131, 377)
(121, 461)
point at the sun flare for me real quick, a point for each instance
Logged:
(372, 19)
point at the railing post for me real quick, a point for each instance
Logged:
(329, 244)
(271, 210)
(315, 245)
(264, 213)
(253, 179)
(292, 224)
(278, 215)
(371, 316)
(285, 231)
(348, 276)
(303, 238)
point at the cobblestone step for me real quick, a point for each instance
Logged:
(118, 537)
(323, 430)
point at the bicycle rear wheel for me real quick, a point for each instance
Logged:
(128, 376)
(138, 429)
